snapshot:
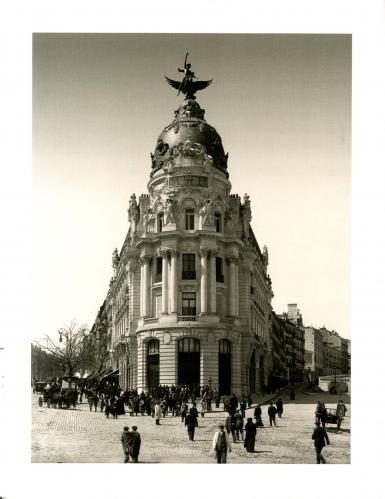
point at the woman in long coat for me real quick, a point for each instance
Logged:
(251, 431)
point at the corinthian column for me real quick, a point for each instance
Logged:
(145, 291)
(203, 253)
(231, 289)
(164, 253)
(213, 281)
(174, 282)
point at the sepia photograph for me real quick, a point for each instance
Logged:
(191, 248)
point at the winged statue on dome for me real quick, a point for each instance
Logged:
(188, 86)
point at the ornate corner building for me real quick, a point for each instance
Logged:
(190, 298)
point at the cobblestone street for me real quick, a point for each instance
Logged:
(80, 436)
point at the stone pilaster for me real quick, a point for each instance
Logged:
(203, 253)
(164, 253)
(213, 282)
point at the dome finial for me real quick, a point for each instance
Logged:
(188, 86)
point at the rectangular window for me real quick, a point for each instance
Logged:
(189, 304)
(158, 270)
(189, 219)
(160, 222)
(217, 222)
(219, 269)
(158, 305)
(188, 266)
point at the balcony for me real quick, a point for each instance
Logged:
(187, 318)
(188, 275)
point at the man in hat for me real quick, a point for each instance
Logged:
(319, 436)
(135, 444)
(191, 422)
(126, 443)
(221, 444)
(272, 411)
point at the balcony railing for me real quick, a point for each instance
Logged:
(187, 318)
(188, 274)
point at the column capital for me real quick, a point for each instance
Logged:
(174, 252)
(204, 252)
(164, 252)
(213, 253)
(145, 259)
(232, 259)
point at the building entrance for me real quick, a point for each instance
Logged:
(261, 375)
(188, 361)
(153, 364)
(224, 367)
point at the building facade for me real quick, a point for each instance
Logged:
(190, 299)
(313, 352)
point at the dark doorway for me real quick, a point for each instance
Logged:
(153, 364)
(188, 361)
(224, 367)
(252, 373)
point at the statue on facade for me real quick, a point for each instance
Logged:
(229, 221)
(133, 216)
(148, 220)
(115, 259)
(206, 213)
(188, 86)
(265, 256)
(169, 212)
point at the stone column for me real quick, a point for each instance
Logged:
(203, 253)
(164, 253)
(213, 281)
(141, 308)
(145, 291)
(231, 287)
(174, 282)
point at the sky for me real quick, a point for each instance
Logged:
(282, 105)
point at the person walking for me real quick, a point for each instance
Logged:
(157, 413)
(272, 411)
(191, 422)
(135, 444)
(90, 401)
(341, 411)
(238, 425)
(320, 436)
(250, 433)
(126, 442)
(242, 406)
(279, 405)
(258, 415)
(230, 425)
(221, 444)
(203, 407)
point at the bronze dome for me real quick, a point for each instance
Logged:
(189, 124)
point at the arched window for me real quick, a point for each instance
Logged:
(153, 347)
(189, 219)
(218, 221)
(160, 221)
(189, 362)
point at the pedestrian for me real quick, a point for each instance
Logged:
(135, 444)
(191, 422)
(90, 401)
(258, 415)
(319, 436)
(157, 413)
(230, 425)
(292, 394)
(183, 410)
(102, 402)
(96, 400)
(221, 444)
(203, 407)
(242, 406)
(272, 411)
(238, 425)
(249, 401)
(107, 410)
(126, 442)
(279, 405)
(250, 433)
(341, 411)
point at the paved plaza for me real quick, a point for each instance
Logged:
(80, 436)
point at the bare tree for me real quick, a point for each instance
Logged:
(73, 351)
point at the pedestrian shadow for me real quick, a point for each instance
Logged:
(263, 451)
(341, 430)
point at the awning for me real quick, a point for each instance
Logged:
(110, 374)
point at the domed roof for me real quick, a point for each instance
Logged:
(189, 125)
